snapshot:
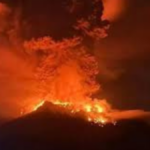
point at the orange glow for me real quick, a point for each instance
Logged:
(92, 111)
(88, 108)
(62, 72)
(67, 78)
(113, 9)
(38, 105)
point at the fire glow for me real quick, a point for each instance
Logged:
(62, 72)
(66, 78)
(93, 112)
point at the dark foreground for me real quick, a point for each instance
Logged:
(49, 130)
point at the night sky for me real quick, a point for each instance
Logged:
(127, 52)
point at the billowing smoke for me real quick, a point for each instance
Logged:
(15, 80)
(58, 70)
(16, 75)
(45, 68)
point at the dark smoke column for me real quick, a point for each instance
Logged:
(58, 18)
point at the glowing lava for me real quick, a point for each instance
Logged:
(38, 105)
(94, 111)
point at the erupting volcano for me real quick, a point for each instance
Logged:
(65, 69)
(49, 81)
(66, 76)
(56, 44)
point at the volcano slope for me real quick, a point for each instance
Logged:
(51, 128)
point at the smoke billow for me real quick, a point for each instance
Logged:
(44, 68)
(16, 75)
(15, 80)
(65, 67)
(60, 70)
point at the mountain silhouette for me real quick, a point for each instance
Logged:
(51, 128)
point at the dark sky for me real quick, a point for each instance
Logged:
(127, 50)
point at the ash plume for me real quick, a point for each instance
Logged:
(16, 75)
(49, 62)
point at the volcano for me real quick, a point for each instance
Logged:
(55, 43)
(51, 128)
